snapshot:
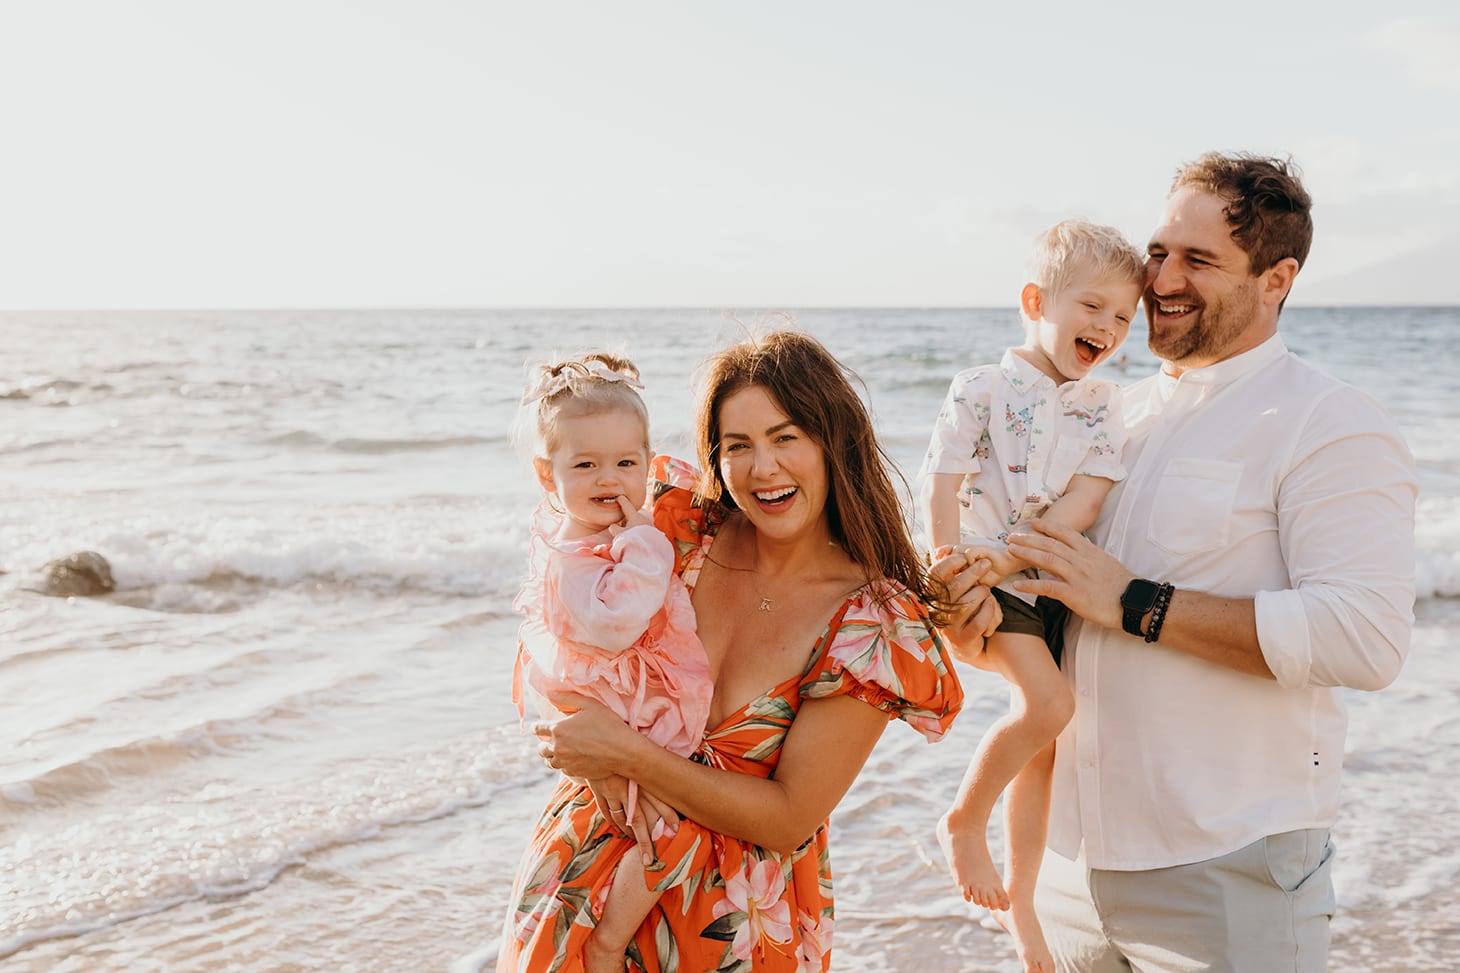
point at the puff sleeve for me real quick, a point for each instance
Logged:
(884, 650)
(679, 515)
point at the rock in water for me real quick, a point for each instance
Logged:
(83, 573)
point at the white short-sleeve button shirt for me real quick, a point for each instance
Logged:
(1018, 438)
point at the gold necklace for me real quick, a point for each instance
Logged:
(766, 604)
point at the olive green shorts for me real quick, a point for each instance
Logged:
(1044, 619)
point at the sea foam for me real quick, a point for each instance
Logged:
(138, 861)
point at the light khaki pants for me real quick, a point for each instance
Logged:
(1264, 908)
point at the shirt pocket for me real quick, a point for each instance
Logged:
(1194, 503)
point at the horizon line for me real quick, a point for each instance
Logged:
(266, 308)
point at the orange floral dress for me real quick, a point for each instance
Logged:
(727, 905)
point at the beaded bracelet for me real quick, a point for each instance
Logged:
(1158, 611)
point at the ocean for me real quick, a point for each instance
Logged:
(286, 743)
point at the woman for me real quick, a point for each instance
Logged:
(811, 603)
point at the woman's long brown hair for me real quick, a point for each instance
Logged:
(815, 391)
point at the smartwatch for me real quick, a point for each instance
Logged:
(1136, 603)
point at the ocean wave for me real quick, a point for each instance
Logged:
(56, 392)
(34, 445)
(308, 440)
(463, 570)
(1437, 547)
(455, 546)
(148, 864)
(407, 445)
(252, 711)
(218, 581)
(149, 366)
(46, 768)
(99, 771)
(1438, 576)
(446, 547)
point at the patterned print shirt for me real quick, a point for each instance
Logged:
(1018, 439)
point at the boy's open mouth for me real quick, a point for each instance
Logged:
(1088, 350)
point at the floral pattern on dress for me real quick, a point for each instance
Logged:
(727, 905)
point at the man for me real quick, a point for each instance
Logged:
(1258, 557)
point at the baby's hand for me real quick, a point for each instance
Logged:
(633, 516)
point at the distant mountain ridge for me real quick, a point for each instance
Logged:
(1422, 277)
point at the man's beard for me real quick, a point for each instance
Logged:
(1216, 327)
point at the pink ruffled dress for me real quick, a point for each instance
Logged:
(607, 617)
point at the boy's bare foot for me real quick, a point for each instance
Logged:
(1020, 922)
(599, 957)
(972, 867)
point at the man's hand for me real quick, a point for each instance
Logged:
(1072, 570)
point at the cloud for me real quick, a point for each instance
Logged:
(1427, 47)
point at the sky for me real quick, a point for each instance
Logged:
(443, 153)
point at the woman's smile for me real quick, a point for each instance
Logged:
(773, 470)
(776, 499)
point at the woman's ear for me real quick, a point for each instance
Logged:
(1031, 302)
(544, 469)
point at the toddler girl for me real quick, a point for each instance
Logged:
(605, 614)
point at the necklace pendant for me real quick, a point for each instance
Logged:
(765, 604)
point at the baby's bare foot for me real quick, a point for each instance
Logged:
(972, 867)
(1021, 923)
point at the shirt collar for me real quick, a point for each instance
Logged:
(1228, 369)
(1022, 374)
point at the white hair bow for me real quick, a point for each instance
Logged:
(551, 385)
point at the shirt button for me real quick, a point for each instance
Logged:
(1085, 692)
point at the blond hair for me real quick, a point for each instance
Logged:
(587, 384)
(1077, 247)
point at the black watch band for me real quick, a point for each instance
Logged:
(1136, 602)
(1142, 598)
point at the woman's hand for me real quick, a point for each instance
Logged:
(589, 743)
(976, 614)
(652, 817)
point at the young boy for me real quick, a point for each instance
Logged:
(1029, 437)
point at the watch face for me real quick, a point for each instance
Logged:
(1140, 594)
